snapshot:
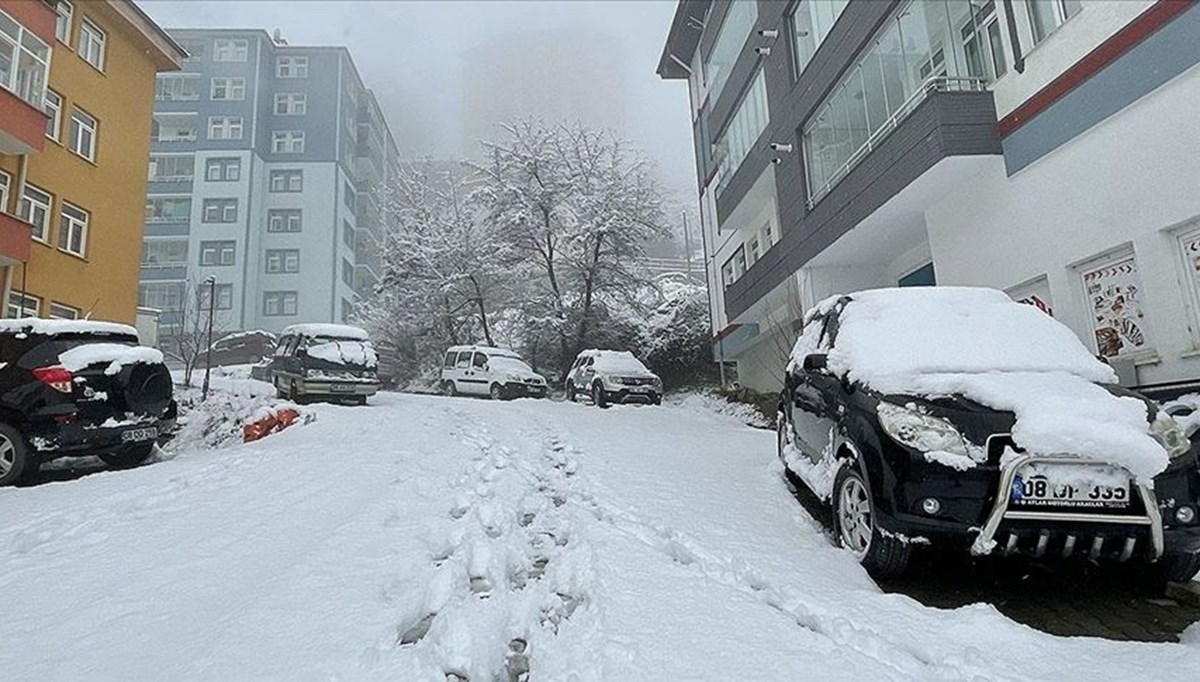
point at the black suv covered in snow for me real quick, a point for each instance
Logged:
(956, 416)
(75, 388)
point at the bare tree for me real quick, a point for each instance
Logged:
(189, 339)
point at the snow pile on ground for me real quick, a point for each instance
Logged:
(232, 403)
(345, 353)
(116, 355)
(709, 404)
(980, 344)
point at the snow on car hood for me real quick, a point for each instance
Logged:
(115, 354)
(514, 367)
(980, 344)
(344, 352)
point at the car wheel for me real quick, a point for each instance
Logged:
(496, 392)
(855, 529)
(656, 400)
(14, 454)
(781, 437)
(448, 389)
(129, 457)
(360, 400)
(570, 391)
(598, 396)
(1179, 568)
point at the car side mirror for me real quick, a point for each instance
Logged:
(816, 362)
(301, 353)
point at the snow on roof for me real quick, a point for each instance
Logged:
(980, 344)
(338, 331)
(33, 325)
(239, 335)
(618, 361)
(491, 350)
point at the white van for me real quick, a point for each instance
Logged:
(496, 372)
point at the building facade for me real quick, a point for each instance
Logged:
(76, 97)
(1034, 146)
(264, 162)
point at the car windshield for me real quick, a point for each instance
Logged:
(619, 362)
(888, 338)
(509, 363)
(342, 351)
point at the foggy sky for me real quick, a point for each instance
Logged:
(412, 55)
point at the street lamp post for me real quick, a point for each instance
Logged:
(212, 304)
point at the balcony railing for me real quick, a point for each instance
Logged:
(172, 178)
(930, 86)
(186, 137)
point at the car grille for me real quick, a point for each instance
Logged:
(637, 381)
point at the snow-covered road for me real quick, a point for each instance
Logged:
(422, 537)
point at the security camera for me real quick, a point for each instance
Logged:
(763, 51)
(769, 33)
(781, 147)
(776, 161)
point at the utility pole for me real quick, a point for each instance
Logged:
(212, 306)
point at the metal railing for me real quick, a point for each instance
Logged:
(930, 86)
(172, 178)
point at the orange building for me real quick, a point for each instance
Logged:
(76, 103)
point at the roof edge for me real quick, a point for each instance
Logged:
(170, 53)
(682, 39)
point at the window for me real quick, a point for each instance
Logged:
(1047, 15)
(734, 268)
(173, 128)
(283, 261)
(291, 67)
(983, 48)
(35, 210)
(348, 195)
(1036, 293)
(347, 272)
(164, 253)
(347, 234)
(747, 123)
(24, 61)
(479, 361)
(59, 311)
(347, 311)
(809, 24)
(172, 168)
(284, 220)
(62, 23)
(72, 229)
(225, 127)
(755, 250)
(220, 211)
(224, 293)
(194, 48)
(735, 29)
(287, 141)
(223, 169)
(1113, 289)
(161, 295)
(228, 50)
(217, 253)
(177, 88)
(23, 305)
(924, 276)
(287, 180)
(227, 89)
(91, 44)
(280, 303)
(768, 236)
(82, 140)
(53, 109)
(4, 180)
(291, 104)
(168, 209)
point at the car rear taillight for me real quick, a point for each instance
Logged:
(58, 378)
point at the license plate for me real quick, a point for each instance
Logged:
(342, 388)
(136, 435)
(1083, 486)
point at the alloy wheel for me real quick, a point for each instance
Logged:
(855, 524)
(8, 456)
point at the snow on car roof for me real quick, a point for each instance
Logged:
(490, 350)
(618, 361)
(339, 331)
(33, 325)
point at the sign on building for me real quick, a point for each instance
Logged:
(1114, 295)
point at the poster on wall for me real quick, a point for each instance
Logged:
(1035, 293)
(1114, 292)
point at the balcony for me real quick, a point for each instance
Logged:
(16, 236)
(163, 272)
(22, 126)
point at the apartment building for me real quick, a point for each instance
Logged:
(263, 165)
(1041, 147)
(76, 97)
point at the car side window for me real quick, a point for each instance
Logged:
(464, 359)
(449, 361)
(480, 361)
(282, 348)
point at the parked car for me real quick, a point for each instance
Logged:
(611, 376)
(331, 362)
(74, 388)
(495, 372)
(242, 348)
(956, 416)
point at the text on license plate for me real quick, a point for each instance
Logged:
(342, 388)
(136, 435)
(1046, 489)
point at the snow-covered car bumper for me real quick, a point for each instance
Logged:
(63, 435)
(336, 388)
(638, 394)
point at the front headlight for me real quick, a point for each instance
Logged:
(923, 432)
(1170, 435)
(312, 373)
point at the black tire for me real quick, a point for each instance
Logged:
(130, 457)
(598, 395)
(656, 400)
(1179, 568)
(14, 454)
(496, 392)
(360, 400)
(882, 556)
(570, 391)
(448, 389)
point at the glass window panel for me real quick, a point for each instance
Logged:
(735, 28)
(856, 112)
(874, 91)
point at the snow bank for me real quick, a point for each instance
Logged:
(345, 353)
(218, 422)
(333, 331)
(115, 354)
(35, 325)
(980, 344)
(713, 405)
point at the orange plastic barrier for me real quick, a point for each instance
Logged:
(272, 423)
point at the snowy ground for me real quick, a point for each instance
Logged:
(423, 536)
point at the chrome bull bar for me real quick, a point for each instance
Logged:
(986, 541)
